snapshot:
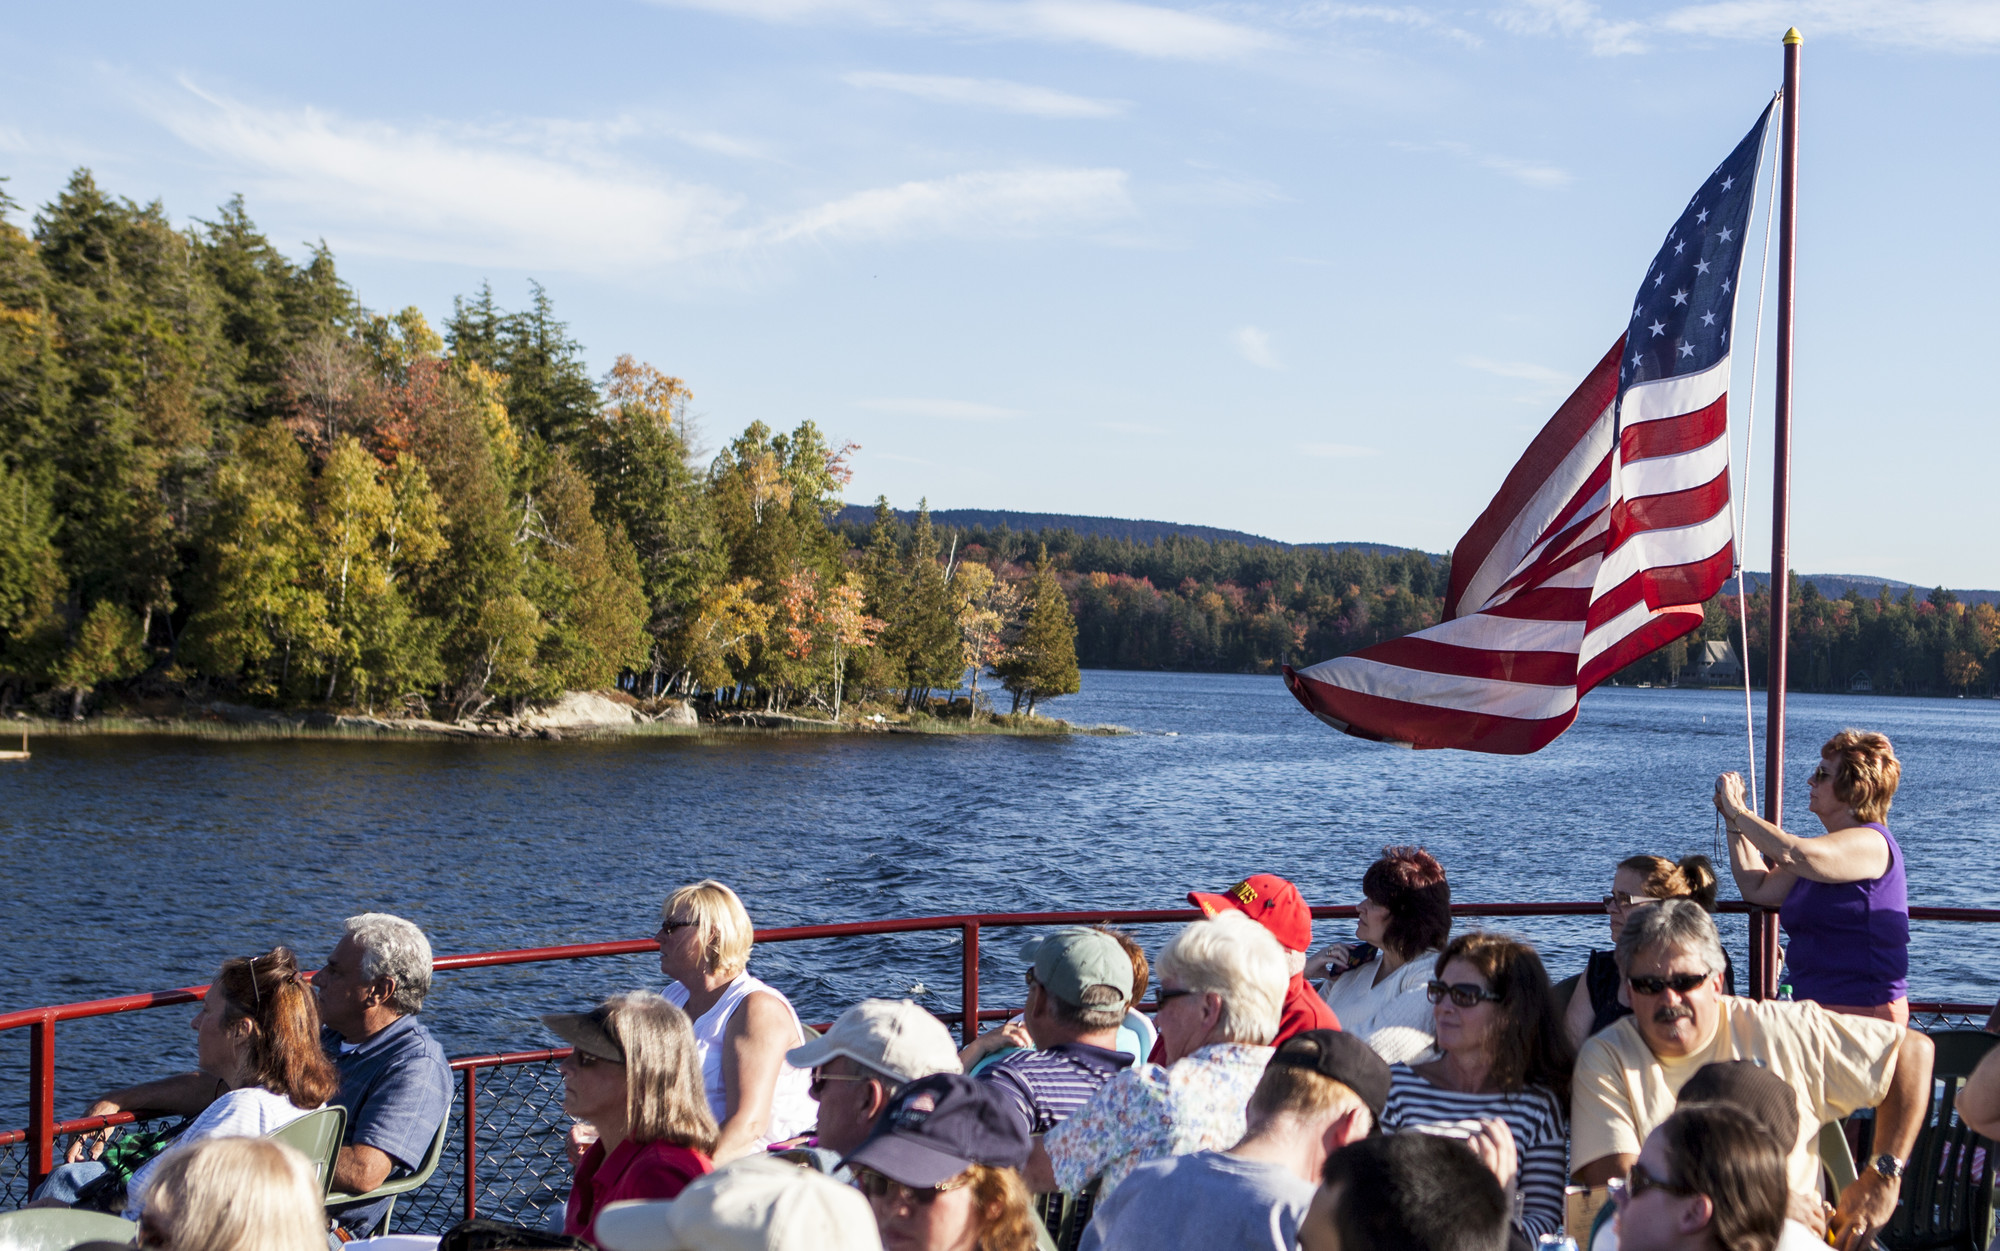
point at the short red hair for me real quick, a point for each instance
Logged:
(1868, 774)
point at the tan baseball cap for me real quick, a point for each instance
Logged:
(755, 1204)
(891, 1036)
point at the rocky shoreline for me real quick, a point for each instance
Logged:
(575, 714)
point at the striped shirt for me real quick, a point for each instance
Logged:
(1053, 1082)
(1535, 1117)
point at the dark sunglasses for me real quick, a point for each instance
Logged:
(584, 1060)
(1817, 776)
(1619, 899)
(817, 1086)
(1638, 1181)
(1164, 996)
(1464, 994)
(668, 927)
(875, 1186)
(1682, 983)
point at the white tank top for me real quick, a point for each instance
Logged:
(793, 1109)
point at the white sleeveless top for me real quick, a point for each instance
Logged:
(793, 1110)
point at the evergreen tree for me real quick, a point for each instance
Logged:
(585, 581)
(108, 646)
(930, 652)
(549, 393)
(1041, 661)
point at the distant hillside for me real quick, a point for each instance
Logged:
(1836, 585)
(1101, 527)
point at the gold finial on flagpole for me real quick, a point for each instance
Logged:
(1793, 36)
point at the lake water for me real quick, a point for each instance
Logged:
(139, 863)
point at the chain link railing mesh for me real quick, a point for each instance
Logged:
(523, 1167)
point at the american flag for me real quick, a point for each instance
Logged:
(1605, 538)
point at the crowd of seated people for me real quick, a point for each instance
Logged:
(708, 1116)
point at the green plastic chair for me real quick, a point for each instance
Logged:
(400, 1185)
(316, 1135)
(59, 1229)
(1836, 1156)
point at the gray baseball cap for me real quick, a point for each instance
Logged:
(1071, 961)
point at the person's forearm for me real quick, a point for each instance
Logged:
(1979, 1101)
(360, 1168)
(183, 1094)
(738, 1136)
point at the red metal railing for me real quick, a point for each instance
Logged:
(43, 1129)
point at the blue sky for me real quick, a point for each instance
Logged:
(1313, 270)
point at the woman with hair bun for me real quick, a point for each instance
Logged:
(1639, 880)
(1405, 911)
(1842, 897)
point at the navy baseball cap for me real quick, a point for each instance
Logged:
(941, 1125)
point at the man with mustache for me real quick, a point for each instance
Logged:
(1629, 1075)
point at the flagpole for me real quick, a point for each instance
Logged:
(1763, 922)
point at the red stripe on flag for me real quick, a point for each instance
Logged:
(1555, 442)
(1663, 586)
(1671, 435)
(1431, 656)
(1420, 725)
(1669, 510)
(1660, 629)
(1545, 603)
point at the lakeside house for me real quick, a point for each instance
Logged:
(1716, 663)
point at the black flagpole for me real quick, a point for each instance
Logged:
(1764, 923)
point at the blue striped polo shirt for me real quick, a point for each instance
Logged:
(1053, 1082)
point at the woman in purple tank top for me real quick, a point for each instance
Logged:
(1841, 896)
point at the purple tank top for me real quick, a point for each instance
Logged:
(1849, 942)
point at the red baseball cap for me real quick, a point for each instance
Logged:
(1270, 901)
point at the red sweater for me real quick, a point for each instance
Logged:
(648, 1170)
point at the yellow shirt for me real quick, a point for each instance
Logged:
(1834, 1064)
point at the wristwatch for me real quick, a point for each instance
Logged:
(1889, 1166)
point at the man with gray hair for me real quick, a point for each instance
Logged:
(863, 1061)
(1079, 983)
(1629, 1075)
(1222, 988)
(394, 1080)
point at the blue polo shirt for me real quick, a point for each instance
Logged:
(396, 1087)
(1053, 1082)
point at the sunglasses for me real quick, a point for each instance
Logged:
(584, 1060)
(875, 1186)
(668, 927)
(1637, 1182)
(1163, 996)
(1618, 900)
(1682, 983)
(1464, 994)
(1817, 776)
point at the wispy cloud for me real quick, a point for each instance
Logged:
(547, 194)
(1338, 451)
(988, 93)
(1255, 346)
(1533, 173)
(1405, 15)
(1546, 383)
(1960, 25)
(1145, 30)
(948, 410)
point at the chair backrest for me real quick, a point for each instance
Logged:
(1836, 1156)
(401, 1185)
(317, 1136)
(1947, 1197)
(59, 1229)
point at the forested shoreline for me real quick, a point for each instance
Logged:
(222, 476)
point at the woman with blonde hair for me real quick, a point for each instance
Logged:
(942, 1169)
(1841, 896)
(742, 1026)
(632, 1075)
(233, 1194)
(1596, 1003)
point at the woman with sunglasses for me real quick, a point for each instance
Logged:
(742, 1026)
(942, 1169)
(1502, 1055)
(1841, 896)
(632, 1075)
(1595, 1002)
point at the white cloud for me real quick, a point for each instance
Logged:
(988, 93)
(1002, 203)
(1533, 173)
(949, 410)
(544, 194)
(1255, 346)
(1330, 14)
(1139, 29)
(1963, 25)
(1338, 451)
(1547, 383)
